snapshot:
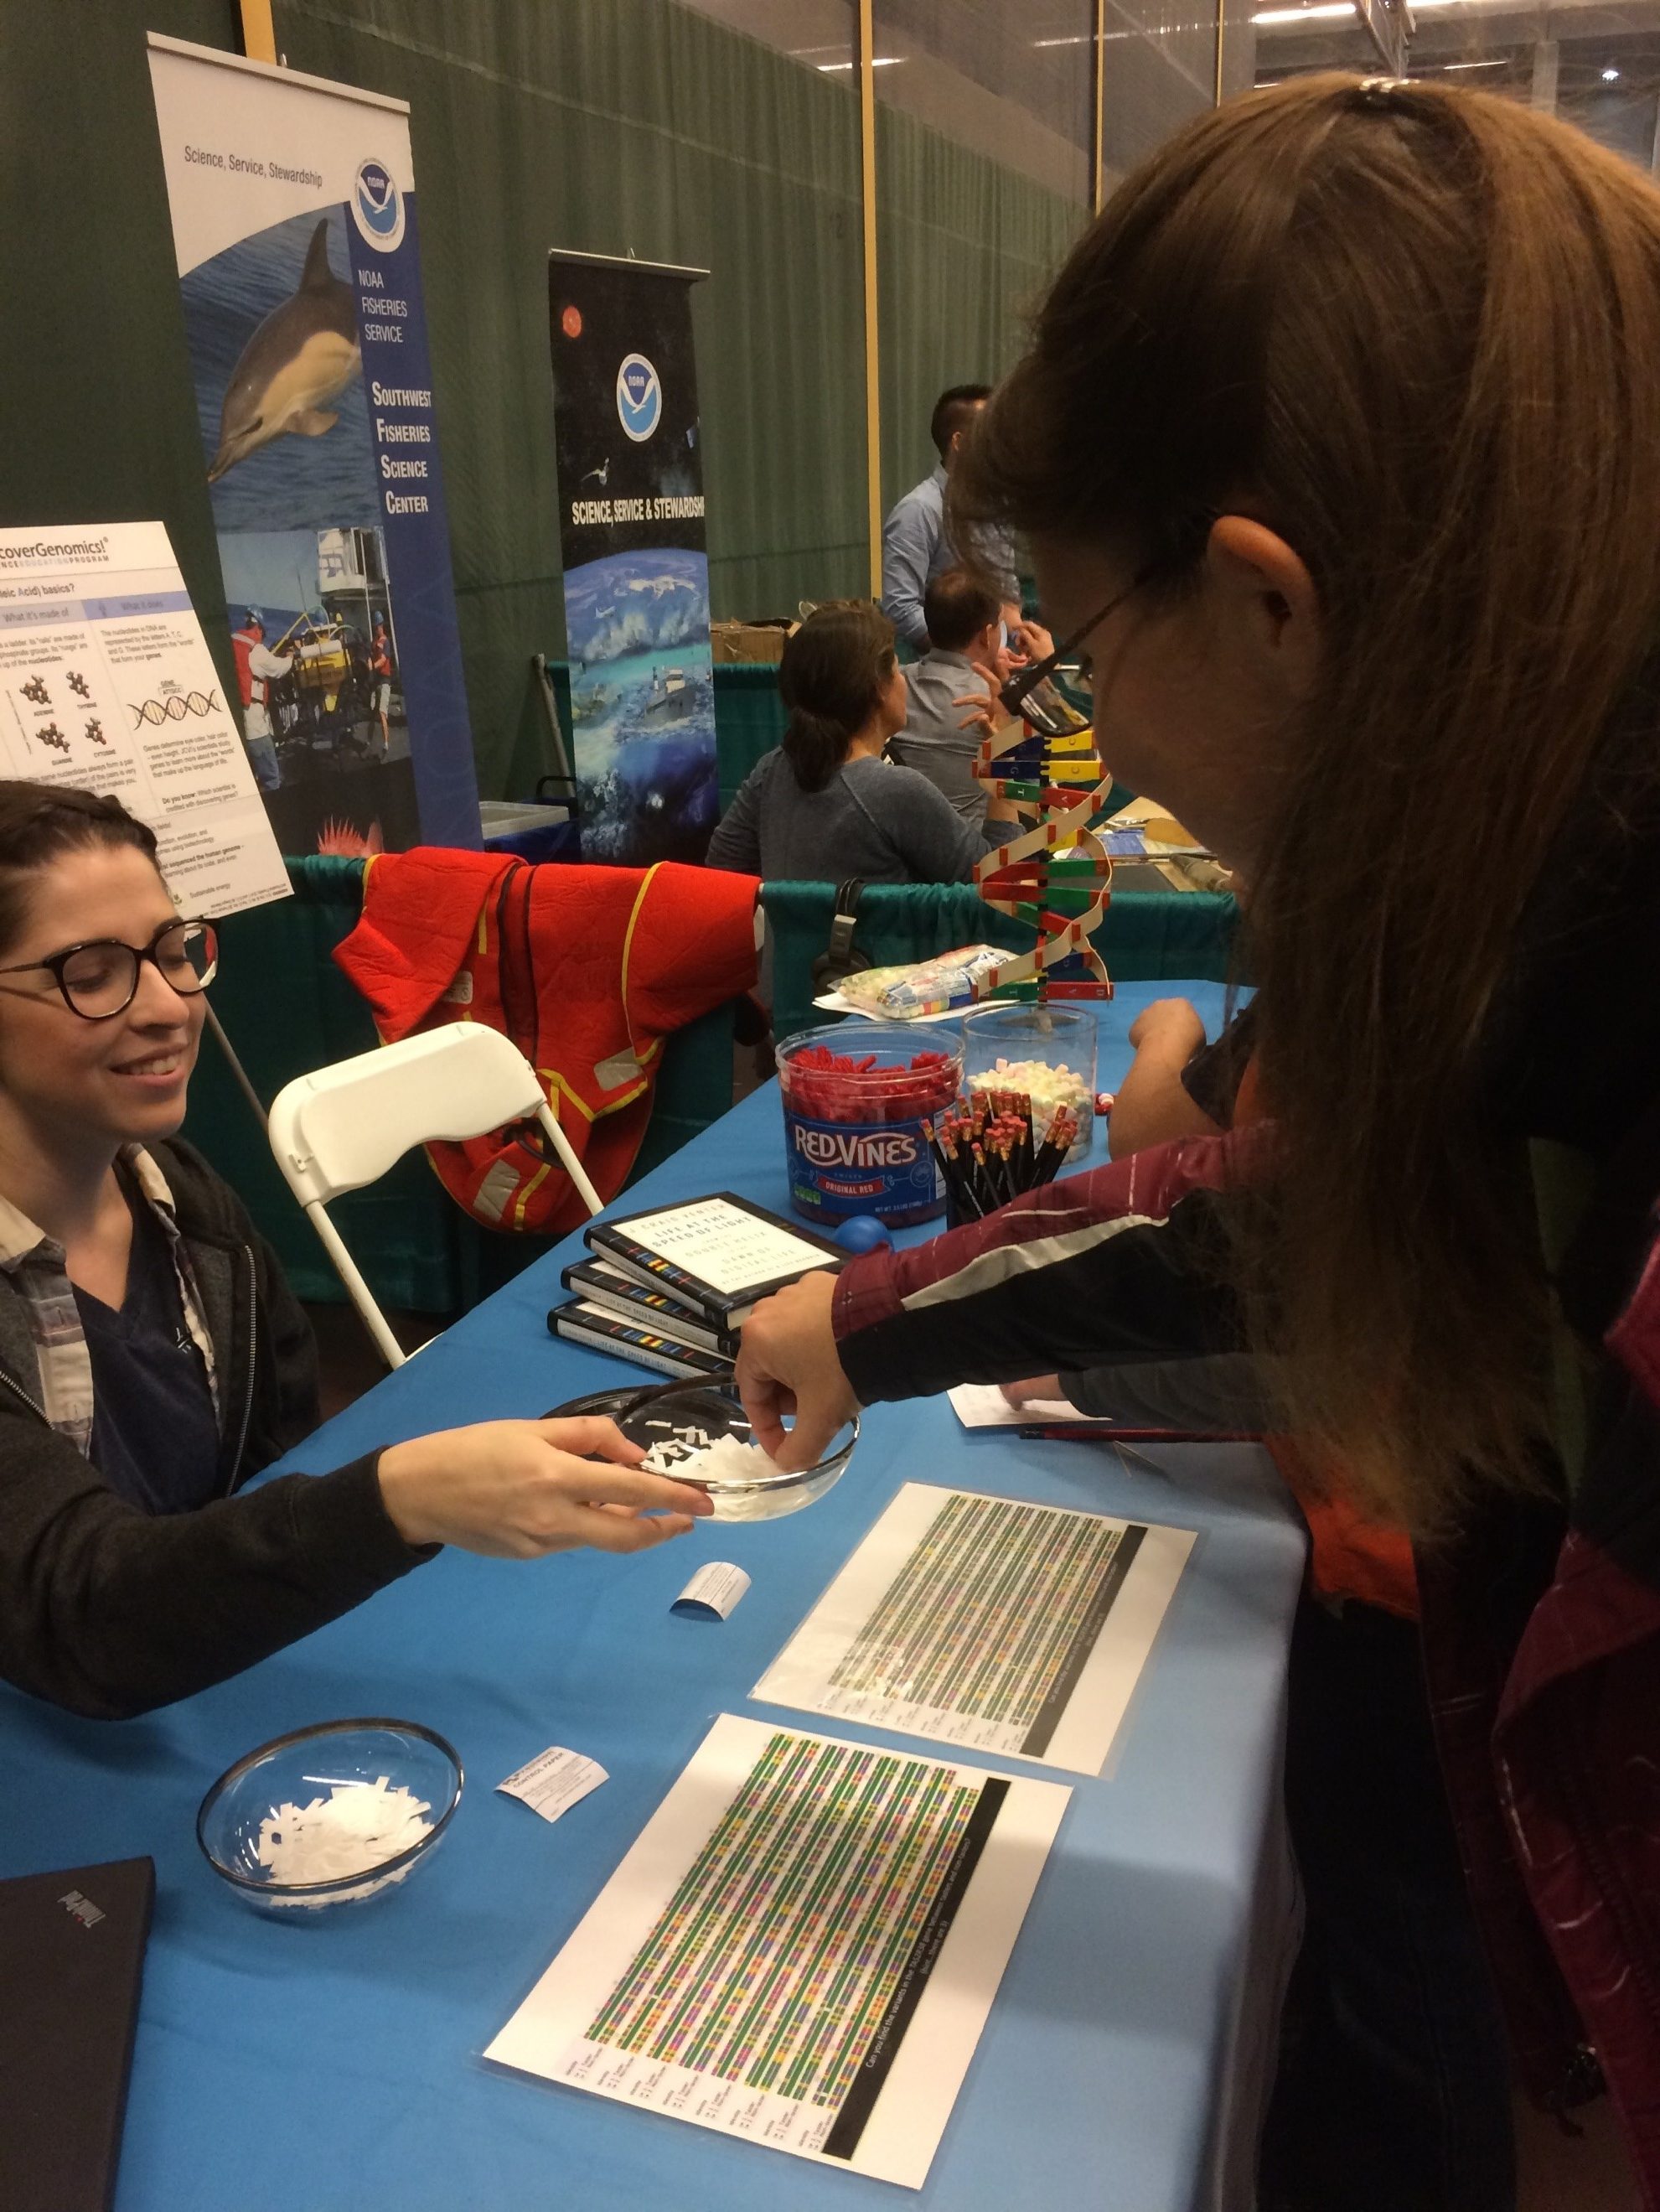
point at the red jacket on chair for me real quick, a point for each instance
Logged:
(587, 969)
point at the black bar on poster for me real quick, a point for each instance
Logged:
(1043, 1728)
(843, 2139)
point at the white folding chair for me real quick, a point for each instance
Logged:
(344, 1125)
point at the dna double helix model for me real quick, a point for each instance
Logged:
(1059, 791)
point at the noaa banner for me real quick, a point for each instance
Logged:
(293, 218)
(636, 577)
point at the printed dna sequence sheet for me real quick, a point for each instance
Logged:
(801, 1949)
(988, 1622)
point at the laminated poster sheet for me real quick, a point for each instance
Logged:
(1016, 1629)
(107, 684)
(801, 1949)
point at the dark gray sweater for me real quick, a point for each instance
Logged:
(882, 824)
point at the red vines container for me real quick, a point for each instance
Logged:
(856, 1096)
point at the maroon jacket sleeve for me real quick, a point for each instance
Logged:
(1124, 1266)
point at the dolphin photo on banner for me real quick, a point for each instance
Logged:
(293, 215)
(636, 576)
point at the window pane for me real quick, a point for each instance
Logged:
(1598, 67)
(1007, 79)
(820, 34)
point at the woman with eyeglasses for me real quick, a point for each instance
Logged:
(1336, 450)
(152, 1358)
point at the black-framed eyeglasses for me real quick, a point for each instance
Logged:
(1049, 714)
(99, 979)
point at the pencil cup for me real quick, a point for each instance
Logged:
(1046, 1052)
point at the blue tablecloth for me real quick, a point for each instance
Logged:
(329, 2066)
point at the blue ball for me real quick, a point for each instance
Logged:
(863, 1232)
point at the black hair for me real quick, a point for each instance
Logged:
(956, 607)
(40, 821)
(953, 412)
(831, 678)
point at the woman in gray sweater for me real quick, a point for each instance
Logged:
(826, 807)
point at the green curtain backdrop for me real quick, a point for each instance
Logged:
(614, 126)
(963, 249)
(601, 125)
(99, 421)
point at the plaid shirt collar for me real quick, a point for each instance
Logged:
(39, 1271)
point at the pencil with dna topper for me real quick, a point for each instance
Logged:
(989, 1150)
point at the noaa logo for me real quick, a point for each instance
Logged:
(639, 397)
(378, 206)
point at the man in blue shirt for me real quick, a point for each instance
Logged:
(914, 546)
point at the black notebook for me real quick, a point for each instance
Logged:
(72, 1961)
(720, 1254)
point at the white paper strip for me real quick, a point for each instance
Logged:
(716, 1588)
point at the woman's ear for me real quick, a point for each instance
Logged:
(1266, 604)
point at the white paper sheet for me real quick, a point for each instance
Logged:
(1008, 1628)
(554, 1781)
(780, 1865)
(983, 1406)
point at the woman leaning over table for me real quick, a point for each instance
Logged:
(1338, 454)
(152, 1358)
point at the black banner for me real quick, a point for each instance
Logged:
(636, 576)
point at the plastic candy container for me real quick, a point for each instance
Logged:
(856, 1096)
(1047, 1053)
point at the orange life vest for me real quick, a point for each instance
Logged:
(587, 969)
(243, 642)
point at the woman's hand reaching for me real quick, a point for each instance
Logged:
(517, 1490)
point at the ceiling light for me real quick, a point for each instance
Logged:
(1610, 77)
(1322, 11)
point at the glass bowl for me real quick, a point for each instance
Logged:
(770, 1497)
(318, 1763)
(681, 1411)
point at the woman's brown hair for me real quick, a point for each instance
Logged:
(831, 677)
(1414, 329)
(40, 821)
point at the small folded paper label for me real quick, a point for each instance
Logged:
(715, 1589)
(553, 1783)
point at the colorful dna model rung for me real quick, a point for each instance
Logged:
(1058, 788)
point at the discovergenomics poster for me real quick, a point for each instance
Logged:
(293, 219)
(636, 577)
(106, 685)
